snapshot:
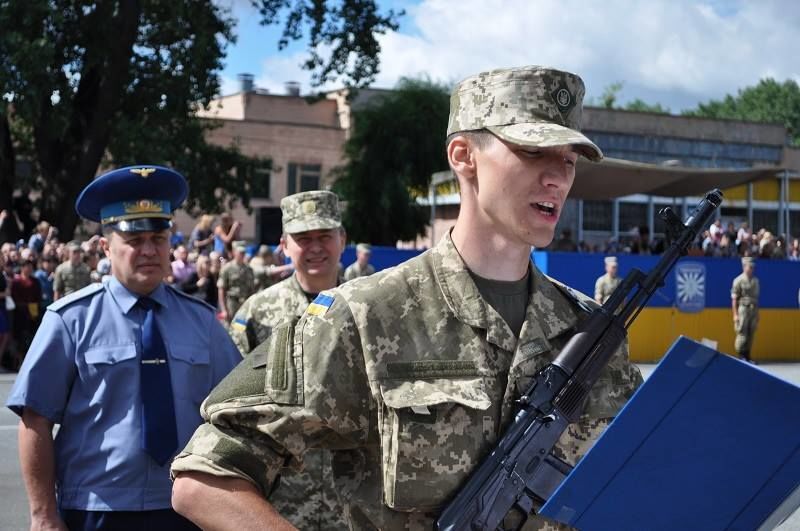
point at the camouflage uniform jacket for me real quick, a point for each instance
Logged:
(306, 497)
(255, 319)
(355, 271)
(261, 273)
(605, 286)
(238, 282)
(68, 278)
(745, 290)
(409, 376)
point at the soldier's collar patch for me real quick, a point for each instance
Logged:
(564, 100)
(320, 305)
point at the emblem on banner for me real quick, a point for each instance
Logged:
(690, 287)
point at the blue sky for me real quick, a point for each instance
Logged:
(673, 52)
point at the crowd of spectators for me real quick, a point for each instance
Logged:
(43, 268)
(718, 241)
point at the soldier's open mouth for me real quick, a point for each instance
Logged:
(547, 208)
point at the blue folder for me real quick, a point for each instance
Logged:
(708, 442)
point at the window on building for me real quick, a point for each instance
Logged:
(303, 177)
(597, 215)
(257, 175)
(794, 223)
(632, 215)
(262, 180)
(736, 215)
(766, 219)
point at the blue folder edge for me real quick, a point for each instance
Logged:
(707, 442)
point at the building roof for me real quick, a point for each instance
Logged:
(612, 178)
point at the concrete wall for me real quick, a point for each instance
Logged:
(645, 123)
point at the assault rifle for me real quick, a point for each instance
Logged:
(521, 472)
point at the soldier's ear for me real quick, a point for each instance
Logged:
(461, 157)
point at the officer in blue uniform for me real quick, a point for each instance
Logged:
(122, 366)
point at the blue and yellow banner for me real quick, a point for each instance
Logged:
(695, 301)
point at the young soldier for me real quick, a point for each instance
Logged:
(73, 274)
(744, 303)
(606, 284)
(361, 267)
(410, 375)
(236, 282)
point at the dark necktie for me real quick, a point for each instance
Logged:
(159, 433)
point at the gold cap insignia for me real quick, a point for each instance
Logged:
(309, 207)
(143, 206)
(143, 172)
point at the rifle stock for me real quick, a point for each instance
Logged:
(521, 471)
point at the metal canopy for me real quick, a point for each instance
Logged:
(612, 178)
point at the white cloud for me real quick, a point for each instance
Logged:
(676, 52)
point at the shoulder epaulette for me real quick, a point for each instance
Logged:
(191, 298)
(82, 293)
(584, 302)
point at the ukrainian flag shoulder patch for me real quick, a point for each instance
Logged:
(239, 324)
(320, 305)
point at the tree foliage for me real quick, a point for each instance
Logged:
(347, 29)
(642, 106)
(610, 97)
(768, 101)
(87, 84)
(610, 94)
(396, 144)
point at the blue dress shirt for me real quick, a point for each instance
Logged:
(82, 372)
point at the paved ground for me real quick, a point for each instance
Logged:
(13, 502)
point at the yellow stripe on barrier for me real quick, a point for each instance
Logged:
(777, 336)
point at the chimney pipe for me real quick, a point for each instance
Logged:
(246, 82)
(292, 88)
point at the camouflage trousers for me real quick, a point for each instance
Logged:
(745, 328)
(308, 498)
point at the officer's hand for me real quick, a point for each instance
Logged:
(48, 523)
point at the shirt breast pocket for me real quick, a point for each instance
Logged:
(433, 434)
(100, 360)
(191, 372)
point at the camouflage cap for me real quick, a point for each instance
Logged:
(310, 211)
(74, 245)
(748, 260)
(364, 248)
(529, 105)
(239, 245)
(609, 260)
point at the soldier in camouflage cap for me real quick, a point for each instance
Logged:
(605, 285)
(236, 281)
(71, 275)
(744, 302)
(528, 106)
(314, 239)
(310, 211)
(411, 374)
